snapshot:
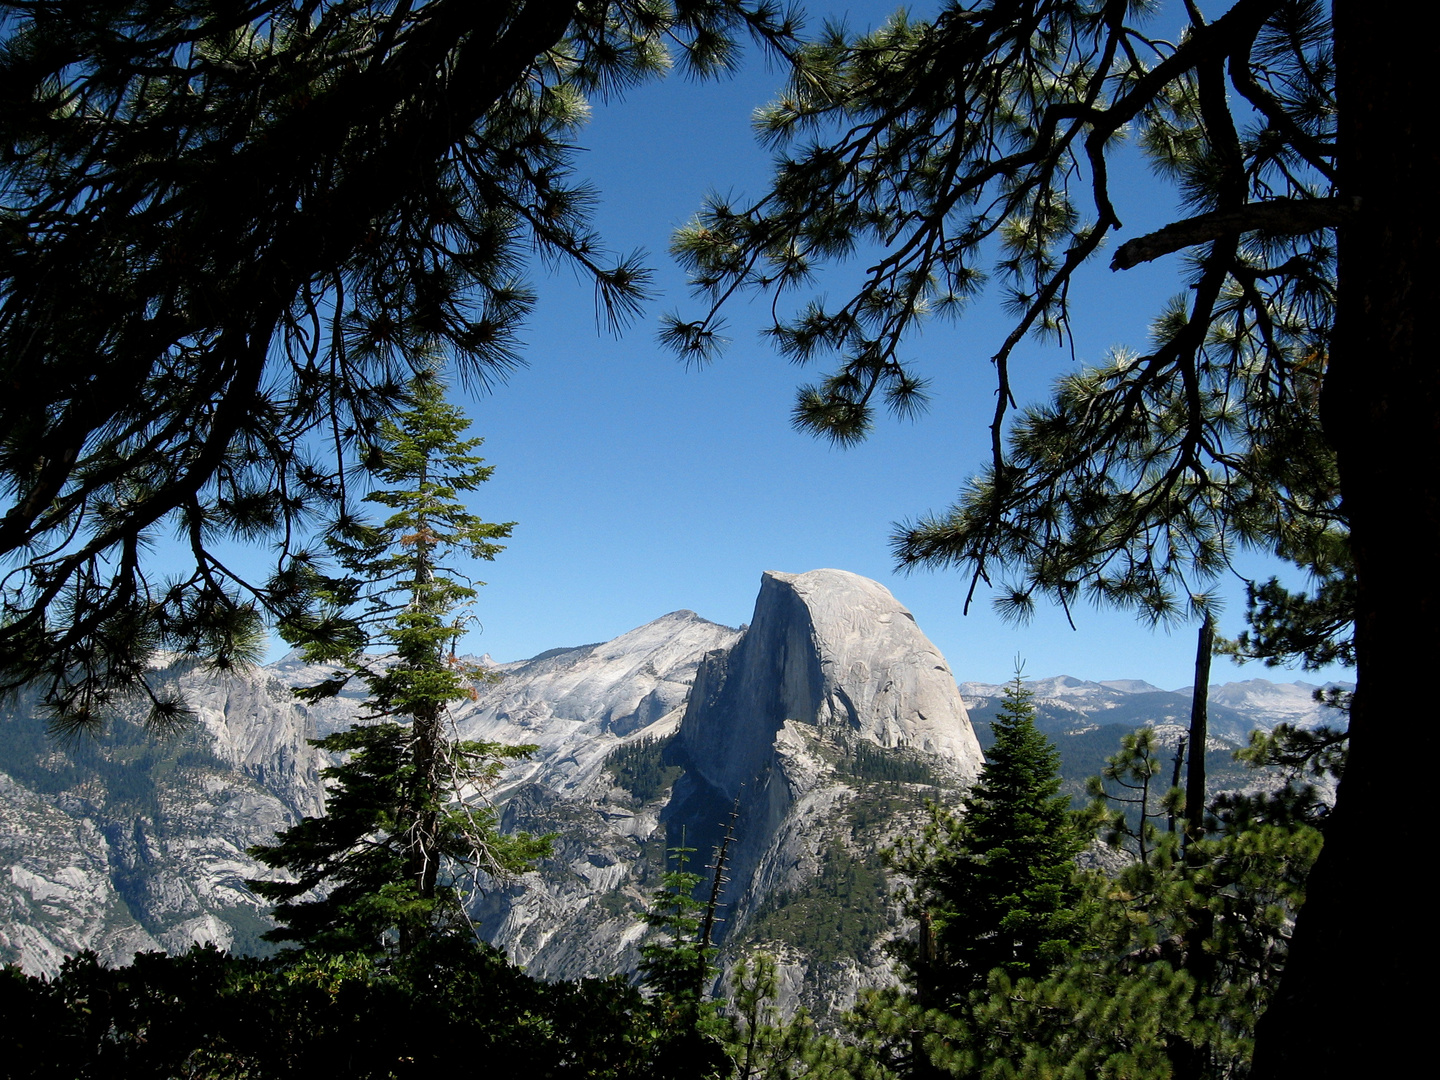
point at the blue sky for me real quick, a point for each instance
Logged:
(640, 487)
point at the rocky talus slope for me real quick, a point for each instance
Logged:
(133, 842)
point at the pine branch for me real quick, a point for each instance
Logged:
(1289, 217)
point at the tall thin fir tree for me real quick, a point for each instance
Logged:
(402, 822)
(1178, 956)
(675, 965)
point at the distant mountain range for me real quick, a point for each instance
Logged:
(1085, 720)
(1066, 705)
(826, 723)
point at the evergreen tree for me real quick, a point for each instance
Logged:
(994, 885)
(960, 143)
(1168, 964)
(401, 819)
(206, 1015)
(676, 966)
(764, 1045)
(1126, 801)
(676, 969)
(1180, 958)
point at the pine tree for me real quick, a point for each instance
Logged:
(1164, 975)
(676, 968)
(995, 884)
(1126, 796)
(763, 1044)
(401, 819)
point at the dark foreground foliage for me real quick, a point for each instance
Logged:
(451, 1008)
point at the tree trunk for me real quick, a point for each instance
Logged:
(1362, 958)
(1175, 780)
(423, 860)
(1193, 1062)
(1199, 734)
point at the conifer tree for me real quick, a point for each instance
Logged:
(763, 1044)
(995, 883)
(1179, 958)
(401, 819)
(675, 969)
(675, 965)
(1126, 800)
(1168, 965)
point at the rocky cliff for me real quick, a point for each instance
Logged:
(833, 701)
(826, 723)
(132, 841)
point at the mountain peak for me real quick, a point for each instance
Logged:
(832, 649)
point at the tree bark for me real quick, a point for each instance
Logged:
(1362, 957)
(1278, 216)
(1199, 734)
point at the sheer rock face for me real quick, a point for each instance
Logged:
(776, 727)
(833, 650)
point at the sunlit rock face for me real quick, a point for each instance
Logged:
(129, 841)
(835, 651)
(830, 660)
(577, 704)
